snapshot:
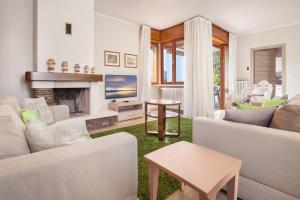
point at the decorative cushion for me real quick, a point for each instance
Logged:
(273, 102)
(12, 139)
(259, 117)
(39, 106)
(28, 115)
(287, 117)
(41, 137)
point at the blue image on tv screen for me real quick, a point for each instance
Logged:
(120, 86)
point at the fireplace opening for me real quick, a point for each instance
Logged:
(76, 98)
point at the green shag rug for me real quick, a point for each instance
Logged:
(167, 184)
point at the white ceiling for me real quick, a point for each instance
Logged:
(237, 16)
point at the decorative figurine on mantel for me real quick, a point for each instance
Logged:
(65, 66)
(51, 65)
(77, 68)
(93, 70)
(86, 69)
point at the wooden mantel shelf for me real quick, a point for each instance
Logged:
(55, 76)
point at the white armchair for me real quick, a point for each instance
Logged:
(255, 94)
(262, 91)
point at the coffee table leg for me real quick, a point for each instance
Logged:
(153, 180)
(232, 188)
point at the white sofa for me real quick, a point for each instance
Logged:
(271, 157)
(102, 168)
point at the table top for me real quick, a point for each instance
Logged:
(198, 166)
(163, 102)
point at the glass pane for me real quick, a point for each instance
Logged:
(180, 61)
(217, 76)
(167, 57)
(278, 63)
(153, 58)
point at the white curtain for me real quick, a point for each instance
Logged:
(232, 64)
(198, 83)
(145, 64)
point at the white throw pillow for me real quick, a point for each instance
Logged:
(12, 139)
(39, 106)
(41, 137)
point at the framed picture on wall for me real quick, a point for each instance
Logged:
(112, 58)
(130, 61)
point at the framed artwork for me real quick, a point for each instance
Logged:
(130, 60)
(112, 58)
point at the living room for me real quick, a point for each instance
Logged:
(149, 100)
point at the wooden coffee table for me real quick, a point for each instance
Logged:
(204, 170)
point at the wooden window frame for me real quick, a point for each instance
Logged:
(174, 81)
(222, 71)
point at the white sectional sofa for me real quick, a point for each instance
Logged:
(271, 157)
(102, 168)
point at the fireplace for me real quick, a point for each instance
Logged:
(76, 98)
(69, 89)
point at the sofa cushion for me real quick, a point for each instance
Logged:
(39, 106)
(12, 139)
(6, 110)
(41, 137)
(259, 117)
(11, 101)
(287, 117)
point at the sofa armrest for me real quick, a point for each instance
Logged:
(102, 168)
(270, 156)
(60, 112)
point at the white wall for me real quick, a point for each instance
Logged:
(285, 35)
(16, 46)
(114, 35)
(52, 42)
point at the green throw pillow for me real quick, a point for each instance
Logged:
(245, 106)
(273, 102)
(28, 115)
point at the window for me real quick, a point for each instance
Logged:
(179, 61)
(154, 60)
(167, 75)
(173, 62)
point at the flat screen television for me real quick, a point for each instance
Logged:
(120, 86)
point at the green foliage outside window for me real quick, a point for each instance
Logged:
(216, 68)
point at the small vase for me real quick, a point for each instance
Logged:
(93, 70)
(77, 68)
(51, 65)
(65, 66)
(86, 69)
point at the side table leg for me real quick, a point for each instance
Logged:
(232, 188)
(161, 121)
(146, 119)
(153, 180)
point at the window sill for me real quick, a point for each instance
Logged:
(168, 85)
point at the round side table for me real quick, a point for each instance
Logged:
(162, 114)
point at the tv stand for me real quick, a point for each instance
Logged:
(127, 109)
